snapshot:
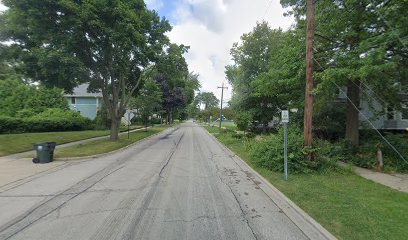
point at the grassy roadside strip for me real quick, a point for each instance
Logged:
(348, 206)
(105, 145)
(16, 143)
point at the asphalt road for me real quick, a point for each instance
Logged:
(180, 184)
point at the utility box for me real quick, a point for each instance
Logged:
(45, 152)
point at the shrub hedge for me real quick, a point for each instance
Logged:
(268, 153)
(52, 120)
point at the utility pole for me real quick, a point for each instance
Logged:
(222, 98)
(307, 127)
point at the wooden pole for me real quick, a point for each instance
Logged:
(307, 127)
(222, 98)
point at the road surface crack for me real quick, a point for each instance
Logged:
(243, 214)
(171, 155)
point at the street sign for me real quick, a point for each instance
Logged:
(285, 116)
(129, 116)
(285, 120)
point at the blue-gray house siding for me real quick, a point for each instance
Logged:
(84, 102)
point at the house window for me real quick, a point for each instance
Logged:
(73, 100)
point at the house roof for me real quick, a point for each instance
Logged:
(82, 91)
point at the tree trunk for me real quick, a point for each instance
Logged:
(352, 121)
(168, 118)
(114, 136)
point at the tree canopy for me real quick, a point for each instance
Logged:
(110, 44)
(208, 99)
(359, 45)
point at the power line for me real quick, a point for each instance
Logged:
(267, 9)
(366, 118)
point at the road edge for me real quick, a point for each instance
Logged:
(305, 222)
(114, 151)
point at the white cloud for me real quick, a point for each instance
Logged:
(154, 4)
(210, 27)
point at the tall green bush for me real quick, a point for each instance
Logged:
(18, 99)
(51, 120)
(367, 152)
(268, 153)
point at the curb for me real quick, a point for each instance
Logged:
(109, 153)
(24, 154)
(310, 227)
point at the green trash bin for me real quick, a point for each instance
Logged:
(45, 152)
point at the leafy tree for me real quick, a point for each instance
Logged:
(360, 45)
(21, 100)
(243, 119)
(266, 73)
(177, 84)
(148, 101)
(108, 43)
(209, 113)
(208, 99)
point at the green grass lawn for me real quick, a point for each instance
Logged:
(347, 205)
(228, 125)
(105, 145)
(15, 143)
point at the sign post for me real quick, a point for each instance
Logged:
(129, 117)
(285, 121)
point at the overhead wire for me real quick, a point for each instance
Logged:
(365, 117)
(267, 9)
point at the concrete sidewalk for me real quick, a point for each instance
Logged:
(396, 181)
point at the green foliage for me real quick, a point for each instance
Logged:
(111, 44)
(205, 114)
(347, 205)
(21, 100)
(51, 120)
(177, 84)
(102, 120)
(269, 153)
(366, 153)
(242, 119)
(208, 99)
(148, 101)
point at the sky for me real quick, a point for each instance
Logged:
(210, 27)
